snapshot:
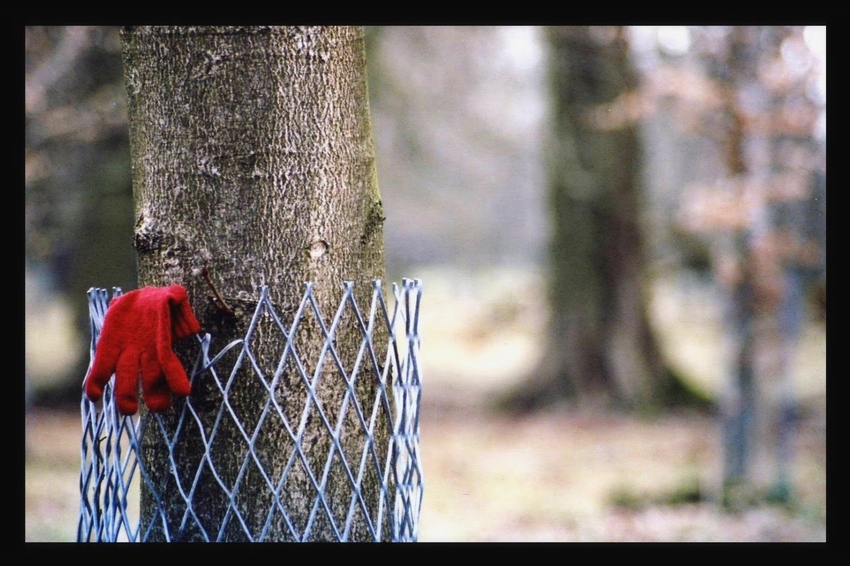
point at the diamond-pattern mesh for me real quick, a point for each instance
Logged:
(112, 469)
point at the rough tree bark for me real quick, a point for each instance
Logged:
(252, 157)
(600, 342)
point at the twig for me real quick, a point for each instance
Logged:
(217, 300)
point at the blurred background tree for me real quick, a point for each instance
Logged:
(600, 341)
(763, 215)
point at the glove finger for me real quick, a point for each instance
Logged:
(107, 351)
(155, 390)
(176, 376)
(103, 366)
(171, 366)
(126, 382)
(183, 320)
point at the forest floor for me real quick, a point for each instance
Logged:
(554, 476)
(586, 476)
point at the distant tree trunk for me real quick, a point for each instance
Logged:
(600, 342)
(740, 403)
(773, 252)
(252, 156)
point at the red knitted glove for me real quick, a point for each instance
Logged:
(137, 334)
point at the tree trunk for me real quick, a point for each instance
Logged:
(739, 405)
(252, 157)
(600, 344)
(771, 253)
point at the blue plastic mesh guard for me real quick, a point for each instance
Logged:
(111, 470)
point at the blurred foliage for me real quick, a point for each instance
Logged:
(762, 215)
(78, 212)
(688, 492)
(760, 163)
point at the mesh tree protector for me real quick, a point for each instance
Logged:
(111, 470)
